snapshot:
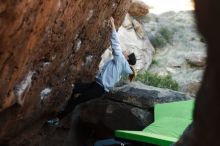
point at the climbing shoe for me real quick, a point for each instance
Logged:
(53, 122)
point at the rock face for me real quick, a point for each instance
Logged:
(138, 8)
(46, 46)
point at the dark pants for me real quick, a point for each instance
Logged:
(86, 91)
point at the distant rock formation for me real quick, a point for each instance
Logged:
(180, 49)
(138, 8)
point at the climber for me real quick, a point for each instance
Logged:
(105, 80)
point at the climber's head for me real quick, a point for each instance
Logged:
(130, 57)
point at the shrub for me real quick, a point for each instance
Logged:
(158, 41)
(162, 37)
(154, 62)
(158, 81)
(167, 34)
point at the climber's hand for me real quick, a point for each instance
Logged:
(131, 77)
(112, 22)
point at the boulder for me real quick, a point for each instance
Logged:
(128, 107)
(196, 59)
(141, 95)
(46, 46)
(142, 48)
(108, 113)
(138, 8)
(127, 23)
(139, 29)
(192, 88)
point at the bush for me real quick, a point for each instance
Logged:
(154, 62)
(162, 37)
(167, 34)
(158, 41)
(158, 81)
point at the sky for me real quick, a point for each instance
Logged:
(160, 6)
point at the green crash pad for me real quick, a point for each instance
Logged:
(171, 119)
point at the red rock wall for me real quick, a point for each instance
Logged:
(46, 46)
